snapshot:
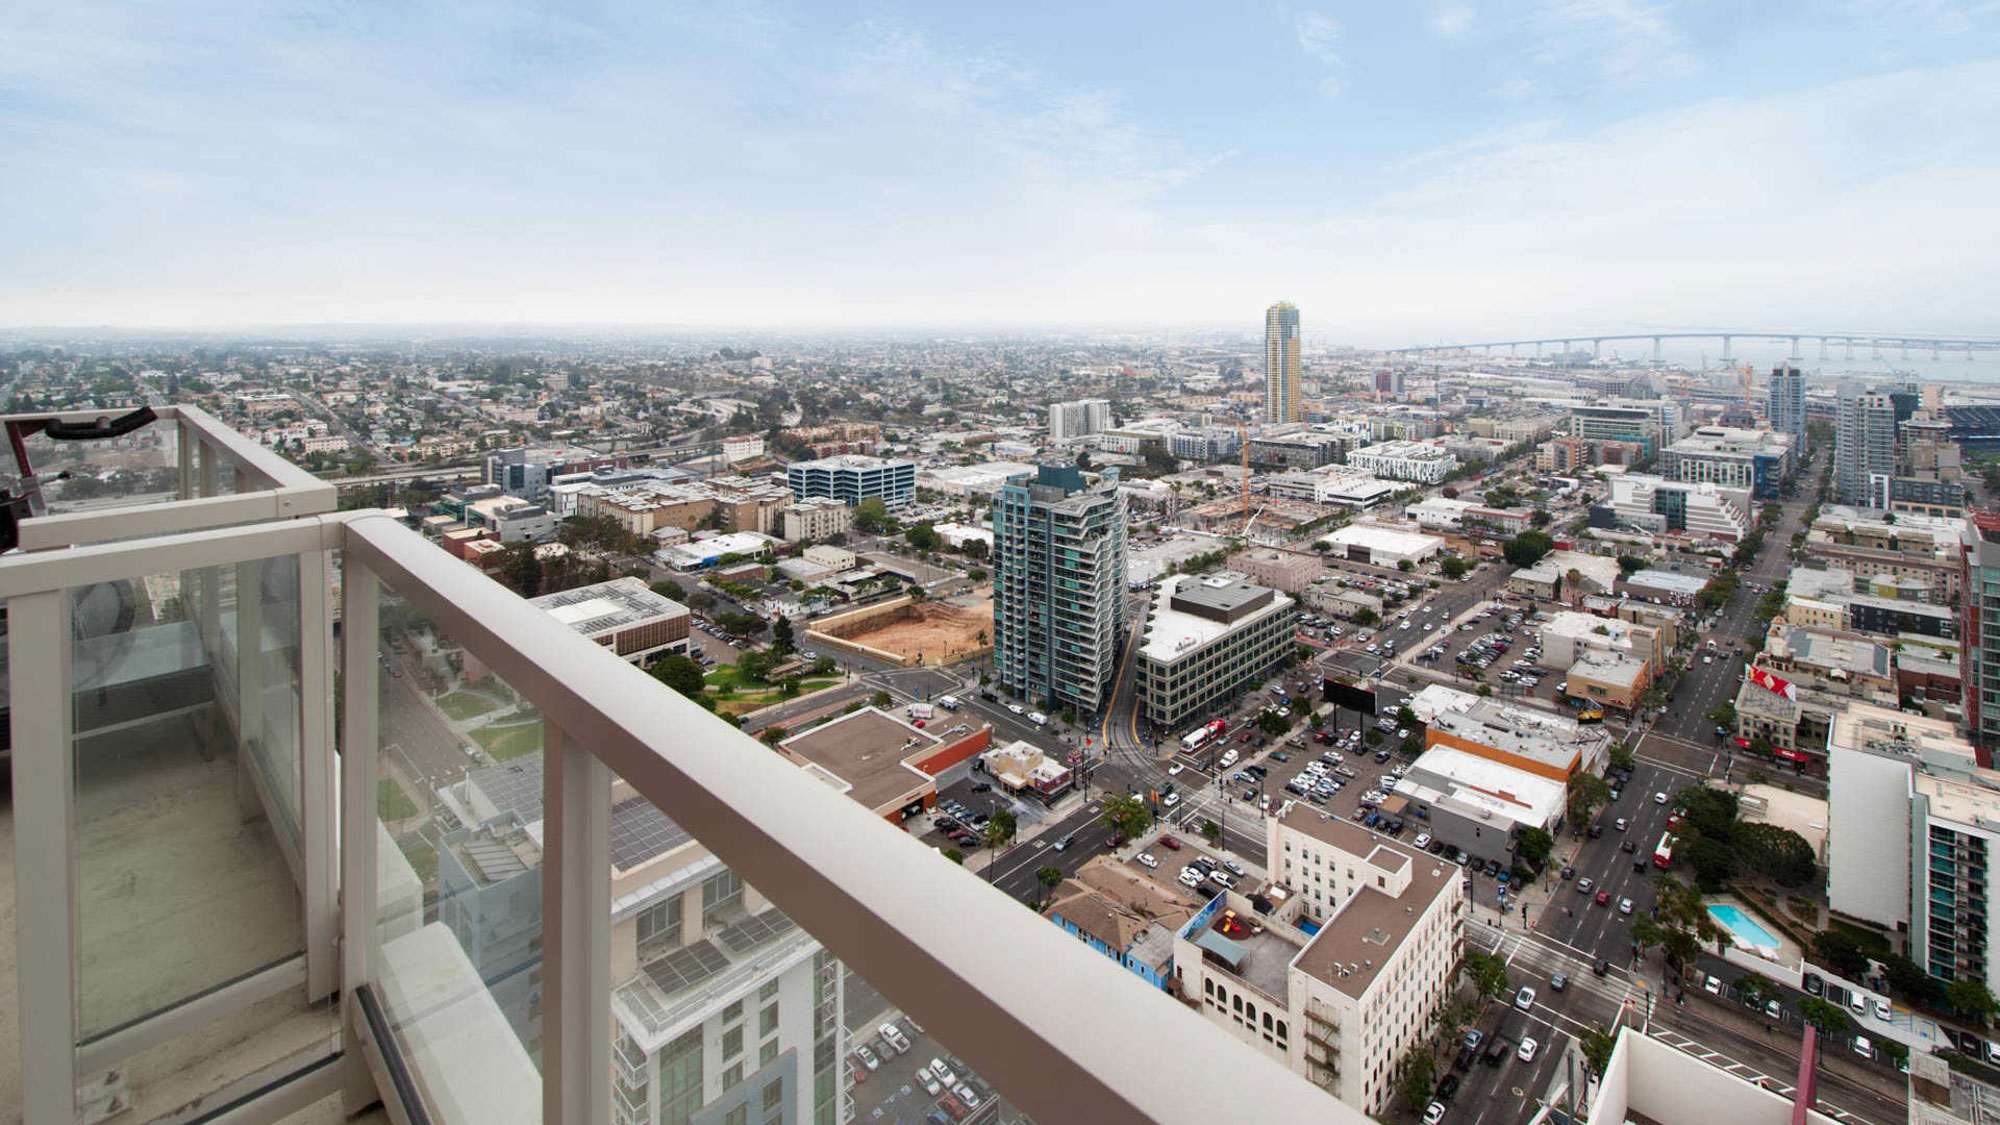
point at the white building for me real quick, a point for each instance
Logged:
(1331, 485)
(1569, 636)
(1341, 1006)
(1383, 546)
(1699, 511)
(1898, 783)
(1653, 1080)
(821, 517)
(1441, 514)
(984, 479)
(700, 554)
(624, 616)
(1069, 421)
(1404, 460)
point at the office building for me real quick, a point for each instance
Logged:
(1697, 511)
(1756, 460)
(1348, 968)
(1650, 424)
(1913, 826)
(1541, 743)
(278, 941)
(852, 478)
(624, 616)
(1865, 443)
(1332, 485)
(1787, 408)
(1281, 364)
(1069, 421)
(1058, 587)
(1207, 638)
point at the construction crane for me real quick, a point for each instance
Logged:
(1243, 450)
(1746, 373)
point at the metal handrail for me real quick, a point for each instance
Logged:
(1060, 1030)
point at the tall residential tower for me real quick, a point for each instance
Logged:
(1281, 363)
(1058, 587)
(1788, 405)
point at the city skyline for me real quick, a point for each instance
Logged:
(779, 165)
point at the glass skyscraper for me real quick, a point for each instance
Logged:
(1281, 363)
(1058, 587)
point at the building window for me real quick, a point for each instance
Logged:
(660, 924)
(773, 1094)
(719, 892)
(733, 1012)
(769, 990)
(732, 1042)
(767, 1054)
(732, 1077)
(738, 1116)
(767, 1020)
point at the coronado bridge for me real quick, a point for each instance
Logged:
(1873, 345)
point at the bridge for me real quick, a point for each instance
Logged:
(1875, 343)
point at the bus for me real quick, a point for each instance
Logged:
(1663, 856)
(1198, 737)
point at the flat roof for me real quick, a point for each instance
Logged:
(1356, 943)
(1388, 539)
(1609, 668)
(869, 750)
(1171, 632)
(1538, 736)
(1485, 784)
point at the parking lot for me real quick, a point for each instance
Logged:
(905, 1085)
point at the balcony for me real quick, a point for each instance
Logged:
(263, 862)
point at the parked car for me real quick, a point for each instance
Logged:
(894, 1037)
(1524, 999)
(1526, 1052)
(867, 1057)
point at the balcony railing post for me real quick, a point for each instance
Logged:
(318, 782)
(576, 932)
(361, 597)
(38, 635)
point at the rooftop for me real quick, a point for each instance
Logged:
(608, 606)
(853, 462)
(1524, 732)
(868, 750)
(1172, 630)
(1484, 786)
(1377, 537)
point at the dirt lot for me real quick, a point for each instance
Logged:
(933, 632)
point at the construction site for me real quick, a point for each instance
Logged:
(911, 632)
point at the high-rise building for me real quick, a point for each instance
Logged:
(1281, 363)
(1071, 420)
(1864, 443)
(1788, 404)
(1979, 631)
(1058, 587)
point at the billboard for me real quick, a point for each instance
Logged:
(1348, 696)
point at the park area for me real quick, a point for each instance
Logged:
(502, 743)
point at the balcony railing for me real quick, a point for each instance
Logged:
(226, 908)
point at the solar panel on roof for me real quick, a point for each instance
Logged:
(687, 967)
(755, 931)
(640, 831)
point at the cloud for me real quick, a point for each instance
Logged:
(1621, 41)
(1450, 21)
(1319, 37)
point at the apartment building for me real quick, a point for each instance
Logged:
(1058, 586)
(1347, 972)
(1756, 461)
(1649, 424)
(1070, 421)
(821, 517)
(852, 478)
(1208, 637)
(1869, 545)
(1419, 461)
(1979, 630)
(1913, 827)
(1786, 409)
(1865, 442)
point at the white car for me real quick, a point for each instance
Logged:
(1016, 708)
(1423, 840)
(1221, 879)
(943, 1072)
(1528, 1049)
(867, 1058)
(1659, 798)
(1524, 999)
(1170, 801)
(1880, 1008)
(1148, 859)
(1434, 1114)
(894, 1037)
(1624, 906)
(1189, 877)
(966, 1095)
(1175, 769)
(1038, 719)
(930, 1084)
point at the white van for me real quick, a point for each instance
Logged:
(948, 702)
(1037, 718)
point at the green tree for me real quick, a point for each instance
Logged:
(1780, 853)
(1212, 832)
(521, 570)
(1535, 846)
(1488, 973)
(679, 673)
(1126, 815)
(1527, 548)
(1831, 1019)
(1050, 878)
(1621, 758)
(871, 516)
(1587, 794)
(1000, 828)
(880, 700)
(1597, 1046)
(756, 666)
(1907, 979)
(1628, 564)
(669, 589)
(782, 641)
(1972, 1000)
(1405, 717)
(1271, 724)
(1645, 933)
(923, 537)
(1842, 952)
(956, 856)
(1414, 1078)
(1453, 567)
(1756, 990)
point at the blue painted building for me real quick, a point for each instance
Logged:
(1127, 918)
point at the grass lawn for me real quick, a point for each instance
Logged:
(503, 743)
(391, 803)
(744, 702)
(463, 705)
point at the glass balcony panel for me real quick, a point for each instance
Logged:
(458, 874)
(735, 1013)
(186, 785)
(143, 467)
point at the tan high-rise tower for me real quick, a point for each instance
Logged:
(1281, 363)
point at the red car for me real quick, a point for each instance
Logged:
(953, 1107)
(1604, 898)
(1244, 737)
(860, 1075)
(1169, 843)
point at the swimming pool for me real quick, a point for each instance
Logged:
(1743, 927)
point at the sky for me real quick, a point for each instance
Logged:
(1407, 173)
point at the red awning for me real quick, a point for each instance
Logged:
(1744, 743)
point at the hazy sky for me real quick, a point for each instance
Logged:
(1405, 172)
